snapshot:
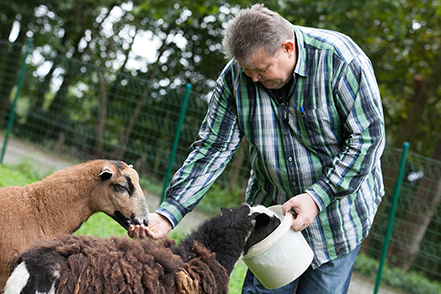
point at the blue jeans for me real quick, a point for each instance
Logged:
(335, 275)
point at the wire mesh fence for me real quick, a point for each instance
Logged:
(415, 243)
(79, 111)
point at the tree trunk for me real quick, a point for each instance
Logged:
(418, 102)
(11, 71)
(57, 106)
(239, 160)
(125, 134)
(35, 116)
(10, 74)
(163, 152)
(102, 113)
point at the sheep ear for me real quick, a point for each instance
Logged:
(224, 210)
(106, 174)
(262, 220)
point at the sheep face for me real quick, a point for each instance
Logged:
(119, 195)
(265, 224)
(231, 234)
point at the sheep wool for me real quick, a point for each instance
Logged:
(201, 263)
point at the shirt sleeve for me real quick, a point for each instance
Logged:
(359, 103)
(217, 140)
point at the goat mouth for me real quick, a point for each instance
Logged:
(125, 221)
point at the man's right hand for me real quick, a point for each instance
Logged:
(158, 228)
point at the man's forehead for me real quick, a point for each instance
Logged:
(257, 60)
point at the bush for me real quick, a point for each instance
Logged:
(218, 197)
(410, 282)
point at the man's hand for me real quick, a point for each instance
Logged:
(306, 210)
(158, 228)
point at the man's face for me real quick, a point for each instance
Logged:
(273, 72)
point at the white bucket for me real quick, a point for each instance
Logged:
(281, 257)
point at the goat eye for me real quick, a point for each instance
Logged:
(120, 188)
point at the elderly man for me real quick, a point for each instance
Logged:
(308, 103)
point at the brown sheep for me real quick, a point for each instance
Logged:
(63, 201)
(201, 263)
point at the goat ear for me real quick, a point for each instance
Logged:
(262, 220)
(106, 174)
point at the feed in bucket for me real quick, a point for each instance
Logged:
(281, 257)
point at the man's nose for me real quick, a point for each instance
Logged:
(255, 76)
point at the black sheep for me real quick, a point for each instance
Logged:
(201, 263)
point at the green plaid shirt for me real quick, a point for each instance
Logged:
(324, 136)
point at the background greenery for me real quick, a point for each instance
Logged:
(171, 45)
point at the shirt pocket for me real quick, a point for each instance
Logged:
(323, 129)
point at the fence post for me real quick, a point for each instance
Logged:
(176, 141)
(393, 208)
(12, 114)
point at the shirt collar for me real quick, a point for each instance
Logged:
(301, 53)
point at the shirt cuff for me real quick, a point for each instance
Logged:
(172, 211)
(321, 193)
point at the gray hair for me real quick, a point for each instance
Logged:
(255, 28)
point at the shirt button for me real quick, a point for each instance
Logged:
(290, 158)
(294, 183)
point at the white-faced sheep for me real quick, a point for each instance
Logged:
(61, 202)
(201, 263)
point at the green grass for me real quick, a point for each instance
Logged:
(19, 175)
(237, 278)
(99, 224)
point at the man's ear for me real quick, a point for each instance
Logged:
(288, 46)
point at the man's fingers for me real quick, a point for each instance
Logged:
(298, 224)
(137, 232)
(142, 232)
(130, 231)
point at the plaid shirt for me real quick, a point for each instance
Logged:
(323, 136)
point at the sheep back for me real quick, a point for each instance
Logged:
(88, 264)
(203, 274)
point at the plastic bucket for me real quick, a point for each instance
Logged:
(281, 257)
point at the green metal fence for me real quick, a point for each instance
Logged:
(77, 111)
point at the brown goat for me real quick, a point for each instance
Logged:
(63, 201)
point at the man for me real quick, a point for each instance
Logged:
(309, 105)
